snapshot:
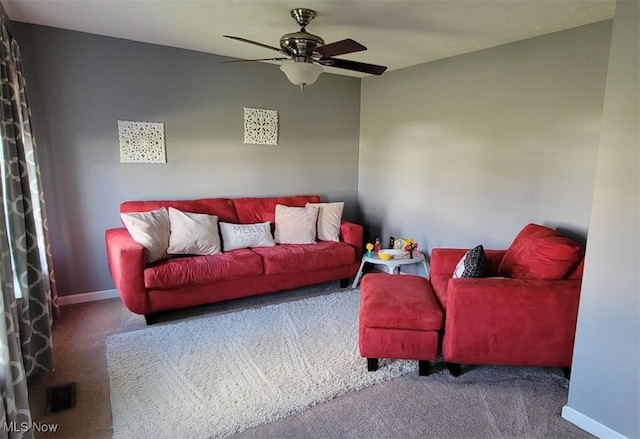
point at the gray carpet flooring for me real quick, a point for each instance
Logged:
(484, 402)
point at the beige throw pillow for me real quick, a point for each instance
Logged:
(329, 220)
(296, 225)
(193, 233)
(151, 230)
(235, 236)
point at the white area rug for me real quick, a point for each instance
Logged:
(219, 375)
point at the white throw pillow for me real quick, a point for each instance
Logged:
(193, 233)
(296, 225)
(457, 273)
(329, 220)
(151, 230)
(235, 236)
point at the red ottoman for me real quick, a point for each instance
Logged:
(399, 318)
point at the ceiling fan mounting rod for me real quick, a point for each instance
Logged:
(301, 43)
(303, 16)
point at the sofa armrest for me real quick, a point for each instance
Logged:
(352, 233)
(511, 321)
(126, 264)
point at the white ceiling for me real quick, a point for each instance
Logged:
(398, 33)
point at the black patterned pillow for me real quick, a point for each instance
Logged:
(472, 264)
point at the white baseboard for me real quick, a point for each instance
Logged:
(589, 425)
(87, 297)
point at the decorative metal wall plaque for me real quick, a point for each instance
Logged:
(141, 142)
(260, 126)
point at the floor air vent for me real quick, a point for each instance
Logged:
(61, 398)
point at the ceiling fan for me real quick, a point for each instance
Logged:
(309, 53)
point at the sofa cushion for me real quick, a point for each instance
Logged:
(296, 225)
(222, 207)
(576, 273)
(329, 220)
(150, 230)
(259, 210)
(235, 236)
(193, 233)
(299, 258)
(198, 270)
(472, 264)
(539, 252)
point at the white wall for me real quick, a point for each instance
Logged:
(604, 395)
(468, 150)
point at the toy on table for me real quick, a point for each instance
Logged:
(369, 247)
(408, 245)
(377, 246)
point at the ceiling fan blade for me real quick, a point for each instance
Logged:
(266, 46)
(252, 60)
(372, 69)
(340, 48)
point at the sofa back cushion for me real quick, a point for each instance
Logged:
(576, 273)
(259, 210)
(539, 252)
(223, 208)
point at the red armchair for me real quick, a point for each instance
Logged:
(497, 320)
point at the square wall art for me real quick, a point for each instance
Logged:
(141, 142)
(260, 126)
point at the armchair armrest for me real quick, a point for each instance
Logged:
(126, 264)
(351, 233)
(511, 321)
(444, 260)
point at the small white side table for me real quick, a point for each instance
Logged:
(391, 264)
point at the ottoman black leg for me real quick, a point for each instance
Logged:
(454, 369)
(345, 282)
(567, 372)
(372, 364)
(423, 367)
(151, 319)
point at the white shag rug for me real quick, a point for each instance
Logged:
(219, 375)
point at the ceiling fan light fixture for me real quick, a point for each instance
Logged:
(301, 73)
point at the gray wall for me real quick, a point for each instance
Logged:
(469, 149)
(79, 85)
(605, 383)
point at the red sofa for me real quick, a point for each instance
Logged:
(181, 282)
(518, 315)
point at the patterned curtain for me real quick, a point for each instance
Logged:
(14, 412)
(26, 275)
